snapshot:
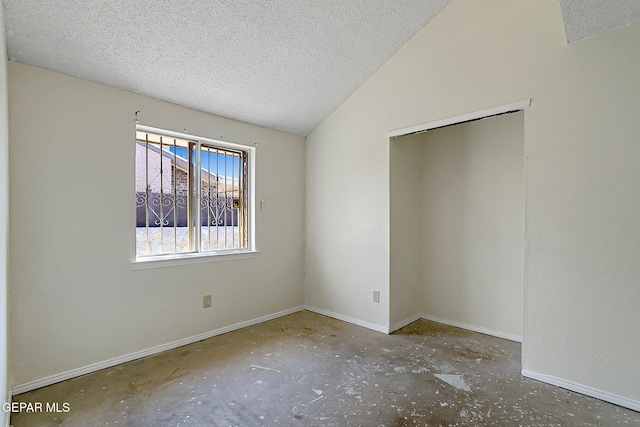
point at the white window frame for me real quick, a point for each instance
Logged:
(197, 257)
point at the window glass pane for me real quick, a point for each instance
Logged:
(162, 195)
(223, 199)
(191, 196)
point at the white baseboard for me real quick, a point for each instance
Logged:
(586, 390)
(405, 322)
(32, 385)
(486, 331)
(348, 319)
(569, 385)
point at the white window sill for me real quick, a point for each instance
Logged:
(185, 259)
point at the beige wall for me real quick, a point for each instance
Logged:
(473, 223)
(4, 217)
(581, 148)
(75, 299)
(406, 222)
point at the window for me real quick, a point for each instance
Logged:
(193, 195)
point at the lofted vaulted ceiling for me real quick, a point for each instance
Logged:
(586, 18)
(282, 64)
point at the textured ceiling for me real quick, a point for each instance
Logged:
(282, 64)
(586, 18)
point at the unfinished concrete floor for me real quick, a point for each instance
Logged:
(309, 370)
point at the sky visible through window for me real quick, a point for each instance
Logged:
(209, 160)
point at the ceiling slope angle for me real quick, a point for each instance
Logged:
(587, 18)
(283, 64)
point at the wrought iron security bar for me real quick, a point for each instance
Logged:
(190, 196)
(222, 198)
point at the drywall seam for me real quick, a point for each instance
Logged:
(348, 319)
(583, 389)
(32, 385)
(474, 115)
(405, 322)
(486, 331)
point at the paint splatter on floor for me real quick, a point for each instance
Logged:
(455, 380)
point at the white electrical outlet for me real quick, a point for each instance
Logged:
(206, 301)
(376, 296)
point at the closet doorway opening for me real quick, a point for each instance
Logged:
(457, 222)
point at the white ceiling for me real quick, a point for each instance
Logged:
(586, 18)
(282, 64)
